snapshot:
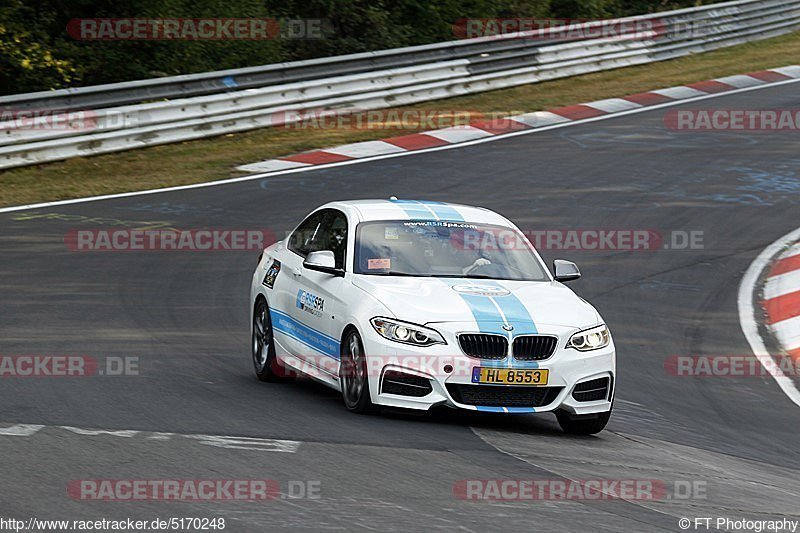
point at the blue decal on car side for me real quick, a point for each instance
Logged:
(316, 340)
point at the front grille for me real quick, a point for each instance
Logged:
(502, 395)
(483, 346)
(592, 390)
(403, 384)
(534, 347)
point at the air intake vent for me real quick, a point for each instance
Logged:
(592, 390)
(503, 395)
(402, 384)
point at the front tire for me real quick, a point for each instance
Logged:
(583, 424)
(265, 363)
(353, 376)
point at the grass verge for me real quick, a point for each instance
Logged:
(215, 158)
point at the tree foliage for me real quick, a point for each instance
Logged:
(37, 53)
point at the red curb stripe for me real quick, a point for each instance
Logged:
(711, 86)
(785, 265)
(415, 141)
(316, 158)
(499, 126)
(783, 307)
(577, 112)
(769, 76)
(647, 98)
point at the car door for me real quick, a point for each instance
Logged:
(315, 302)
(300, 242)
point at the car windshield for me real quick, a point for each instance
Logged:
(445, 249)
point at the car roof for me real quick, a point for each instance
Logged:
(405, 209)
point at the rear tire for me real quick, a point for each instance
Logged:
(265, 363)
(583, 424)
(353, 376)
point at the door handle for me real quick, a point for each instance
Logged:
(296, 272)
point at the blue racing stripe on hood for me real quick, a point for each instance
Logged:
(516, 314)
(427, 210)
(445, 211)
(485, 309)
(485, 314)
(415, 210)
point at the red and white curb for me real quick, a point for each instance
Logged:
(527, 121)
(781, 300)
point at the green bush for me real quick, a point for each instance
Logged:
(36, 53)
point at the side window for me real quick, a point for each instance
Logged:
(308, 235)
(335, 230)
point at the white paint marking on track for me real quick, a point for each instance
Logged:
(125, 433)
(247, 443)
(20, 430)
(219, 441)
(747, 313)
(473, 142)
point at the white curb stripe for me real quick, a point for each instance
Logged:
(473, 136)
(740, 81)
(788, 333)
(793, 71)
(680, 93)
(747, 314)
(613, 105)
(271, 165)
(365, 149)
(781, 284)
(458, 134)
(794, 250)
(538, 119)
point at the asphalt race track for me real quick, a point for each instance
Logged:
(185, 316)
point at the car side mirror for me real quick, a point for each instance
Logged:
(322, 261)
(566, 270)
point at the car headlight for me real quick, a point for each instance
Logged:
(590, 339)
(405, 332)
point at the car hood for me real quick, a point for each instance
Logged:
(490, 304)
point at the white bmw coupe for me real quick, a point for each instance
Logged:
(413, 304)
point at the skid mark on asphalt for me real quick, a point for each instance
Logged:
(218, 441)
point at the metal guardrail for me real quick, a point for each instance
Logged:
(121, 116)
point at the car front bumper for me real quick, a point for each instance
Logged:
(446, 367)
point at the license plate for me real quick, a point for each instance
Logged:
(509, 376)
